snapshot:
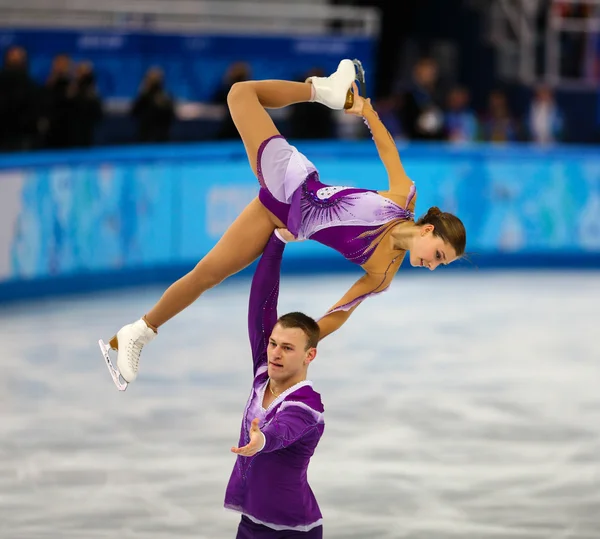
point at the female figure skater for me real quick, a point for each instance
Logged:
(370, 228)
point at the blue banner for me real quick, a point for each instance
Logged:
(109, 212)
(194, 64)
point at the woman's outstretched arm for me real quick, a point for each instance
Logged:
(399, 181)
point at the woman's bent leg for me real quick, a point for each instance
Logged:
(241, 244)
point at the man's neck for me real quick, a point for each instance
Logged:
(277, 388)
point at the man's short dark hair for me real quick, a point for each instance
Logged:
(307, 324)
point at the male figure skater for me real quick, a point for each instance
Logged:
(283, 419)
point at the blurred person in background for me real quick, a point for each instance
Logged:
(20, 104)
(390, 111)
(153, 109)
(85, 108)
(498, 123)
(237, 72)
(422, 116)
(58, 102)
(545, 120)
(309, 120)
(460, 120)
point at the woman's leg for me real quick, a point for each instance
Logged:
(248, 102)
(245, 240)
(241, 244)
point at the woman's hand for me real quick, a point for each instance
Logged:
(359, 101)
(286, 235)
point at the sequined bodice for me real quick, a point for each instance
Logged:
(346, 219)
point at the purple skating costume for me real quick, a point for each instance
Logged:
(347, 219)
(271, 488)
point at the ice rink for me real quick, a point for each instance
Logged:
(458, 405)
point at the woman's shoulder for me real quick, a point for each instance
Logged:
(401, 198)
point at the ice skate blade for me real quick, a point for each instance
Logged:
(114, 372)
(360, 77)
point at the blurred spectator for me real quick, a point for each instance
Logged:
(545, 119)
(20, 103)
(460, 120)
(58, 103)
(389, 110)
(311, 120)
(153, 108)
(498, 124)
(422, 116)
(86, 106)
(237, 72)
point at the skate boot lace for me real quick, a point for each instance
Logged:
(135, 349)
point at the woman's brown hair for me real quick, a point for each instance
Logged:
(446, 226)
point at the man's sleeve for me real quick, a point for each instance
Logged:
(289, 426)
(264, 293)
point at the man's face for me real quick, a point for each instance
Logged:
(287, 353)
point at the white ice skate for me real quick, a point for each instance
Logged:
(128, 342)
(335, 91)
